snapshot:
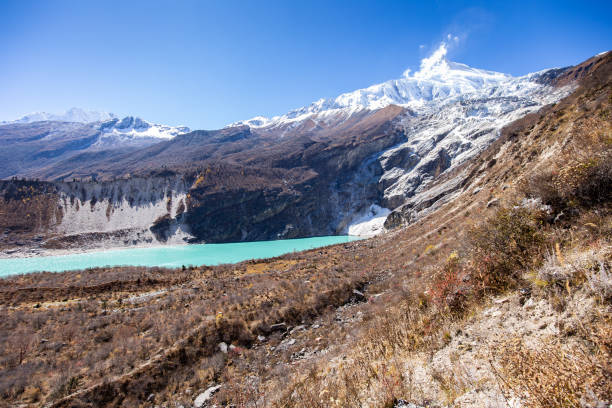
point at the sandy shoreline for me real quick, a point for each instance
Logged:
(36, 252)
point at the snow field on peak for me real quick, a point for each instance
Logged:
(113, 130)
(133, 128)
(438, 81)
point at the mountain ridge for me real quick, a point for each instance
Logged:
(305, 178)
(438, 80)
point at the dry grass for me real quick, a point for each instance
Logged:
(422, 285)
(556, 375)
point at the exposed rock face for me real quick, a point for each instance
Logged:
(71, 212)
(311, 192)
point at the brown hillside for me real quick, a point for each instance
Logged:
(502, 292)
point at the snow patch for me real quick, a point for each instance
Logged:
(371, 223)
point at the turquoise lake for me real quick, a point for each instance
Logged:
(167, 256)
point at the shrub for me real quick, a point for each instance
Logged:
(504, 246)
(451, 287)
(580, 178)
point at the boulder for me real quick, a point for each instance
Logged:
(202, 398)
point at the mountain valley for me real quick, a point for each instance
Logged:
(318, 170)
(490, 287)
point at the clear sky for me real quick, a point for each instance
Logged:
(205, 64)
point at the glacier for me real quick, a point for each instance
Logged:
(370, 223)
(451, 112)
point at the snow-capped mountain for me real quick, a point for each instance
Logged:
(451, 112)
(71, 115)
(437, 82)
(113, 131)
(45, 140)
(135, 131)
(359, 163)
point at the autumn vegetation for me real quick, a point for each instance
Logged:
(368, 323)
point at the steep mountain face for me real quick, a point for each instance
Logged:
(450, 112)
(361, 162)
(78, 214)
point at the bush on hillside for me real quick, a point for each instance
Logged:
(504, 246)
(579, 178)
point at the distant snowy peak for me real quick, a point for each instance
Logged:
(71, 115)
(131, 126)
(438, 81)
(133, 131)
(114, 132)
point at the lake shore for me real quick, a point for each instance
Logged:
(169, 256)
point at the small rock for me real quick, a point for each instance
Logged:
(223, 347)
(297, 328)
(559, 217)
(316, 326)
(405, 404)
(493, 203)
(278, 326)
(360, 297)
(529, 304)
(261, 338)
(291, 342)
(299, 354)
(150, 397)
(205, 396)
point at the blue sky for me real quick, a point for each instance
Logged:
(205, 64)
